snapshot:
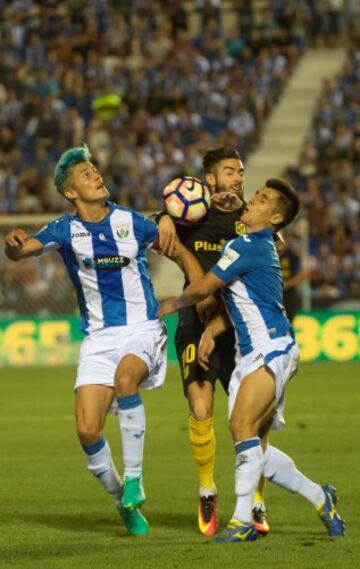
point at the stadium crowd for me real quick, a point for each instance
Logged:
(150, 95)
(328, 175)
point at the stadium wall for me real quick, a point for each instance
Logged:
(322, 335)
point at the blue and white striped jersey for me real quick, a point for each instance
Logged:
(107, 264)
(254, 293)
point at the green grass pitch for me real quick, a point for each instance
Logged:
(53, 514)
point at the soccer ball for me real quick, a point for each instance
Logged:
(187, 199)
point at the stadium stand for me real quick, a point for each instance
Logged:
(328, 175)
(147, 94)
(150, 90)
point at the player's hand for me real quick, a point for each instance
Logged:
(206, 309)
(226, 201)
(167, 306)
(205, 349)
(16, 238)
(167, 235)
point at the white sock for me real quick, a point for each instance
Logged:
(131, 415)
(248, 469)
(280, 469)
(101, 465)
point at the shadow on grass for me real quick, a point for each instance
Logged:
(76, 522)
(172, 520)
(111, 525)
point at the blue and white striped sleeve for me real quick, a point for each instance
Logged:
(52, 235)
(150, 232)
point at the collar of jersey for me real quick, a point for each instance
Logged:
(263, 232)
(111, 207)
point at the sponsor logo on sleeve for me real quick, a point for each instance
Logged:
(228, 258)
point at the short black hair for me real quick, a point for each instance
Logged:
(213, 157)
(289, 200)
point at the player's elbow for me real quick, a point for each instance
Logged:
(208, 286)
(13, 254)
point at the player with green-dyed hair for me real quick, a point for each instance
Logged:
(67, 161)
(104, 246)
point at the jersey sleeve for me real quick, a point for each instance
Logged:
(52, 235)
(237, 258)
(146, 231)
(150, 232)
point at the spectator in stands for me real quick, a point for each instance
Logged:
(328, 175)
(140, 73)
(173, 94)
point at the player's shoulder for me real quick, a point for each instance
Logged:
(120, 209)
(63, 220)
(60, 224)
(129, 213)
(55, 231)
(257, 243)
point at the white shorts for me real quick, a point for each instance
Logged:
(101, 352)
(281, 355)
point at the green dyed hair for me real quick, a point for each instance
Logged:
(66, 162)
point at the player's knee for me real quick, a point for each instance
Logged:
(243, 427)
(125, 385)
(201, 409)
(88, 434)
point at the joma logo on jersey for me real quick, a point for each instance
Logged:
(207, 246)
(240, 228)
(79, 235)
(115, 262)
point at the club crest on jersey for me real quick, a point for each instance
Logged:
(240, 228)
(113, 262)
(122, 231)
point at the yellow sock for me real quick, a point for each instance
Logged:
(259, 497)
(203, 445)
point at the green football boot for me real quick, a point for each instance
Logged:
(134, 521)
(133, 495)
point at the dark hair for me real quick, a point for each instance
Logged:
(289, 200)
(213, 157)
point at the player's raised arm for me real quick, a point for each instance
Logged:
(167, 232)
(19, 245)
(194, 293)
(186, 261)
(230, 264)
(193, 271)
